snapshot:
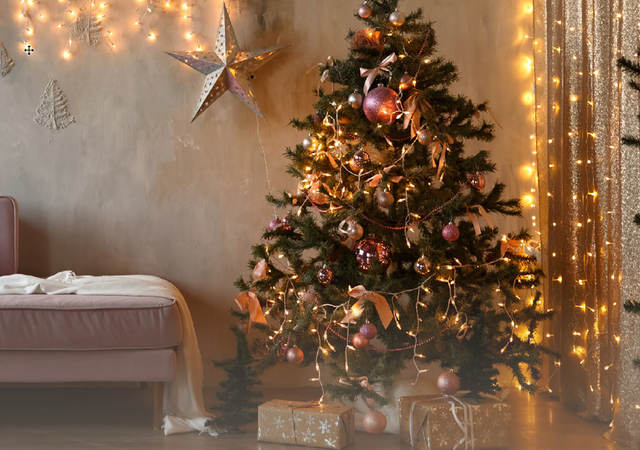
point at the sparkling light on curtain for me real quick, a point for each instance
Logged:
(589, 193)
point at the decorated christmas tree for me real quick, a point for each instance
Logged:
(387, 254)
(633, 68)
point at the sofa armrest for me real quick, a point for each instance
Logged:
(8, 236)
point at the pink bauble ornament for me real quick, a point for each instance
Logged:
(325, 275)
(359, 161)
(368, 330)
(365, 11)
(448, 383)
(374, 422)
(275, 224)
(385, 199)
(424, 137)
(397, 18)
(381, 105)
(477, 181)
(359, 341)
(450, 232)
(371, 250)
(295, 355)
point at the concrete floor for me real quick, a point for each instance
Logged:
(81, 419)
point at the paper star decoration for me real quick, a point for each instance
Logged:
(227, 67)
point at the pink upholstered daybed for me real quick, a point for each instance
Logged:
(80, 338)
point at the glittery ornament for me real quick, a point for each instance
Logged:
(450, 232)
(365, 11)
(359, 161)
(477, 181)
(384, 198)
(368, 330)
(275, 224)
(355, 100)
(396, 18)
(424, 137)
(448, 383)
(381, 105)
(374, 422)
(422, 265)
(227, 67)
(371, 250)
(325, 275)
(295, 355)
(310, 142)
(359, 341)
(406, 81)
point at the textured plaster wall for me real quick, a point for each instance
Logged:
(133, 187)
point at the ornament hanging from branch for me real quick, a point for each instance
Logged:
(88, 28)
(226, 68)
(53, 111)
(6, 62)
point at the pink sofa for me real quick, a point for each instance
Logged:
(80, 338)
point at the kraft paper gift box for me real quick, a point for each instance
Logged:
(435, 422)
(309, 424)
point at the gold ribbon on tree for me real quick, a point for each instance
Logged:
(474, 218)
(412, 112)
(512, 246)
(248, 301)
(371, 74)
(363, 296)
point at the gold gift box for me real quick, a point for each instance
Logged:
(310, 424)
(428, 422)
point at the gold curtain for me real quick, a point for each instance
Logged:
(589, 187)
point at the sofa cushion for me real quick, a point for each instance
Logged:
(87, 366)
(88, 322)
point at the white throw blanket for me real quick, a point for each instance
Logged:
(183, 399)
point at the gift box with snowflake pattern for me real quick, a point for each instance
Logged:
(310, 424)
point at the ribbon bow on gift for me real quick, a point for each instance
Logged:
(363, 296)
(371, 74)
(474, 218)
(248, 301)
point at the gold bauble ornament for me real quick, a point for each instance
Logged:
(396, 18)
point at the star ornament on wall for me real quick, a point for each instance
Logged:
(226, 68)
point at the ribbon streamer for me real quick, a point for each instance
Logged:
(248, 301)
(363, 296)
(474, 218)
(371, 74)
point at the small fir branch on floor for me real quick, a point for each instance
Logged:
(238, 396)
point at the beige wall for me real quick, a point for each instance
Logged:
(133, 187)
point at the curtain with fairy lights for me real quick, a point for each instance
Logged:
(589, 193)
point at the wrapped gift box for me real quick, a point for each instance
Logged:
(433, 422)
(309, 424)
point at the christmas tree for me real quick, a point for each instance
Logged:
(633, 68)
(238, 394)
(387, 254)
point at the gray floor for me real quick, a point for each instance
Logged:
(79, 418)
